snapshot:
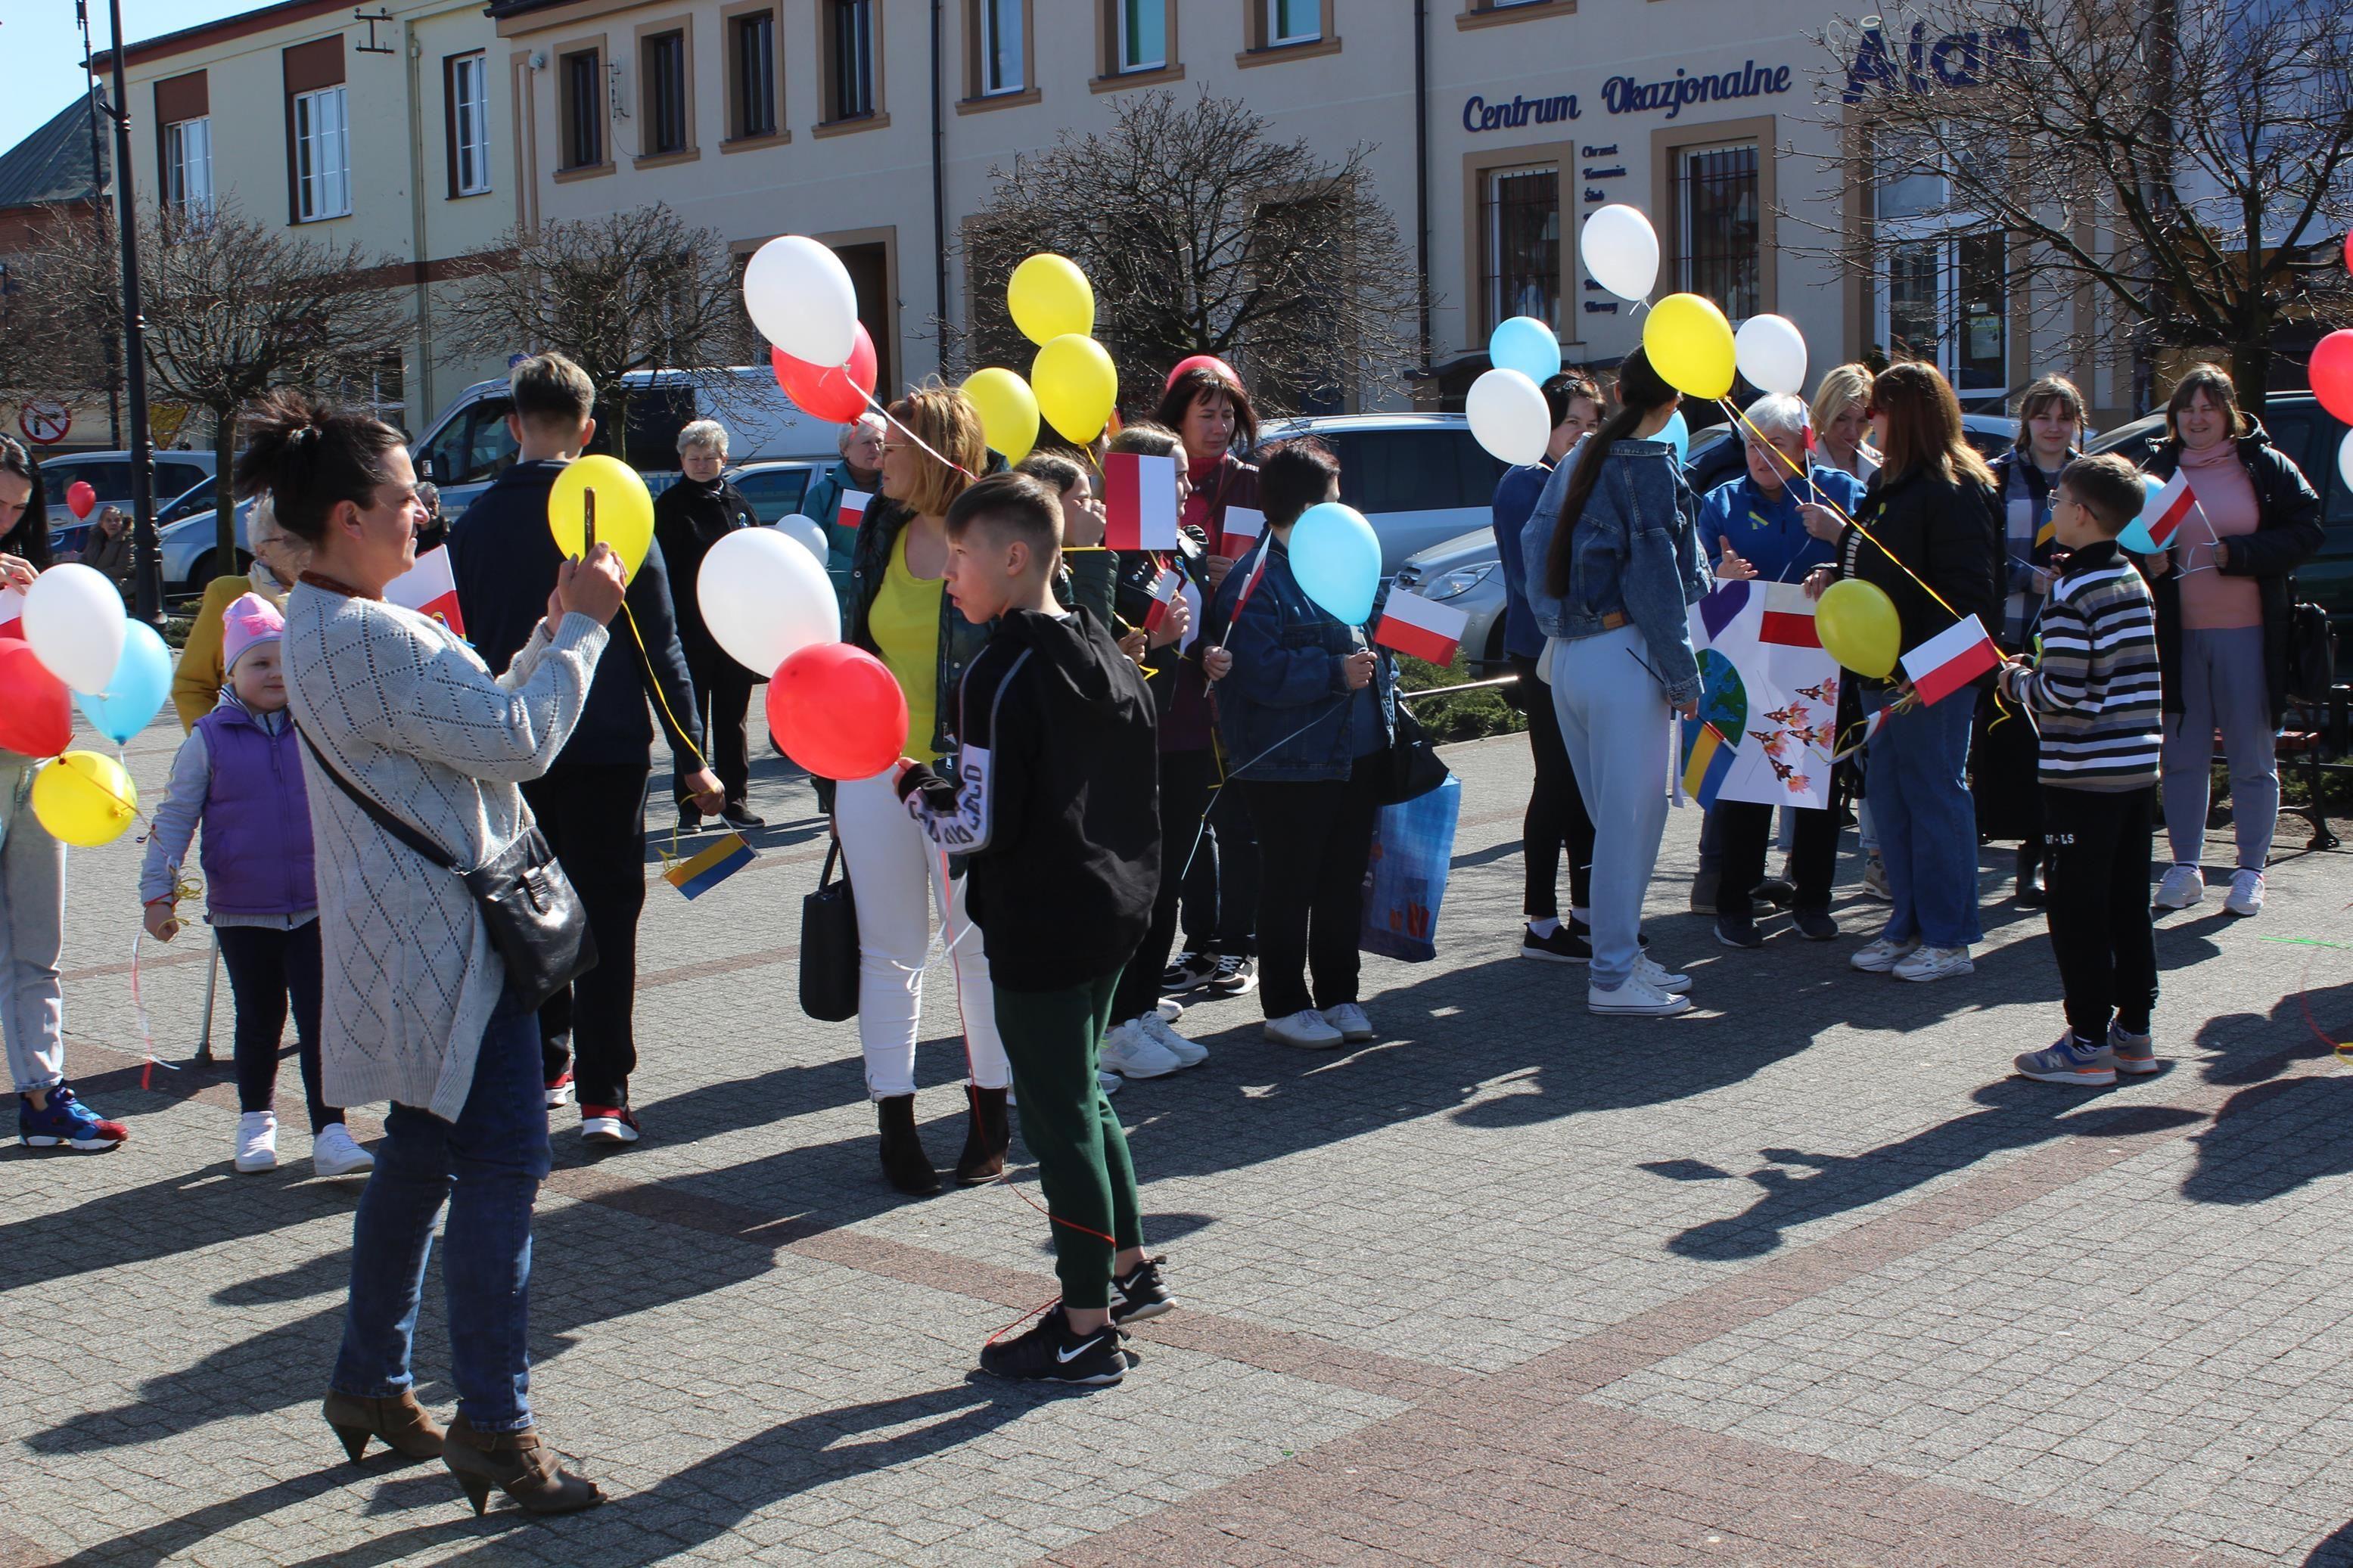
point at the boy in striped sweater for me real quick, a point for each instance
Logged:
(2093, 692)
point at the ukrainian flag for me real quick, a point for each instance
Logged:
(697, 877)
(1707, 764)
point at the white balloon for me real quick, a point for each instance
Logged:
(800, 297)
(1771, 353)
(73, 618)
(1508, 415)
(2345, 460)
(805, 531)
(765, 599)
(1622, 250)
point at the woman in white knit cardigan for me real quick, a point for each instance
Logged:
(416, 1009)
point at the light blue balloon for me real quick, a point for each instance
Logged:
(2137, 536)
(1335, 558)
(1524, 345)
(134, 694)
(1678, 435)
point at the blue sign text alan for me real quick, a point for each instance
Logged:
(1630, 95)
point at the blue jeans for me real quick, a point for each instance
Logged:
(1927, 824)
(487, 1166)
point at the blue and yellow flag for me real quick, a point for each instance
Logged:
(697, 877)
(1709, 764)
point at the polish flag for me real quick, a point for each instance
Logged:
(2168, 509)
(852, 510)
(1870, 728)
(1952, 658)
(12, 612)
(1244, 525)
(1139, 501)
(1164, 589)
(431, 588)
(1423, 628)
(1788, 618)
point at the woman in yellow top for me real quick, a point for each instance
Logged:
(899, 612)
(278, 559)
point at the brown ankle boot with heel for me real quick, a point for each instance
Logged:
(518, 1464)
(399, 1421)
(986, 1140)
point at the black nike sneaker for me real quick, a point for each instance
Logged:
(1141, 1293)
(1051, 1353)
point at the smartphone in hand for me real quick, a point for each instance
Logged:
(587, 523)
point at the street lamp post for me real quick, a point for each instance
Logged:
(147, 569)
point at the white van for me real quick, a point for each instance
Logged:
(469, 446)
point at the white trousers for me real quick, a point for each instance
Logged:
(896, 872)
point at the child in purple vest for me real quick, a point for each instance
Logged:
(240, 773)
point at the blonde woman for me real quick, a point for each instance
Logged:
(1842, 413)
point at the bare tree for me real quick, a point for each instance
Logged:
(232, 308)
(628, 291)
(1201, 235)
(2180, 166)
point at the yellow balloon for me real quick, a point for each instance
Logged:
(1077, 385)
(85, 798)
(1859, 627)
(625, 512)
(1007, 409)
(1690, 345)
(1050, 297)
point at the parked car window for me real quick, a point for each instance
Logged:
(473, 446)
(174, 478)
(774, 494)
(111, 480)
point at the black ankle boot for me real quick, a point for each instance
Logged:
(2030, 879)
(986, 1140)
(904, 1165)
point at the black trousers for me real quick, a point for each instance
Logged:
(723, 693)
(1315, 840)
(266, 968)
(2097, 849)
(1186, 778)
(595, 819)
(1220, 895)
(1744, 828)
(1556, 818)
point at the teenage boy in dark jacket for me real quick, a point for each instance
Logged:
(591, 803)
(1054, 814)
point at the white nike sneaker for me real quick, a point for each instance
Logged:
(2246, 893)
(1171, 1009)
(1350, 1020)
(257, 1141)
(2182, 887)
(1109, 1082)
(1659, 977)
(1880, 956)
(1928, 963)
(1187, 1053)
(1637, 998)
(332, 1152)
(1307, 1029)
(1130, 1052)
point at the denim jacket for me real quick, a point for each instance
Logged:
(1637, 558)
(1282, 709)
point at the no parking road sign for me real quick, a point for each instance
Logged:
(45, 421)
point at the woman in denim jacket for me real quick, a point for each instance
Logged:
(1305, 709)
(1621, 563)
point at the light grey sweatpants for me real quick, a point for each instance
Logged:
(1613, 723)
(2223, 688)
(32, 934)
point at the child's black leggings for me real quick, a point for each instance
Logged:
(266, 968)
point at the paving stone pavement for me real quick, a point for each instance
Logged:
(1800, 1279)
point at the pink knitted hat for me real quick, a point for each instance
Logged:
(251, 620)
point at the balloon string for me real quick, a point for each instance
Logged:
(146, 1029)
(676, 728)
(918, 440)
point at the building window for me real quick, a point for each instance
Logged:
(188, 166)
(583, 110)
(1717, 227)
(1000, 46)
(752, 105)
(665, 92)
(322, 167)
(1142, 43)
(469, 125)
(1294, 21)
(849, 50)
(1519, 229)
(1944, 287)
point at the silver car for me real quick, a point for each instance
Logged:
(1419, 478)
(1465, 574)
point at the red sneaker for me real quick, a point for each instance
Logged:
(614, 1124)
(559, 1090)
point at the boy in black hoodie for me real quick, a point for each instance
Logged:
(1053, 814)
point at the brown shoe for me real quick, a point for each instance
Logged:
(986, 1140)
(904, 1165)
(402, 1422)
(520, 1464)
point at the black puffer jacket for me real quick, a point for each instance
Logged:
(1947, 531)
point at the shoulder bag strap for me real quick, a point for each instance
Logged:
(376, 813)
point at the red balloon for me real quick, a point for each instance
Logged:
(837, 711)
(1201, 361)
(835, 393)
(2332, 374)
(36, 710)
(80, 498)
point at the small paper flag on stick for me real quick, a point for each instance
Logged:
(1423, 628)
(1139, 501)
(697, 877)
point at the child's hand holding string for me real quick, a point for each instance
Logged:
(161, 923)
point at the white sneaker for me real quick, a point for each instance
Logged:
(1306, 1029)
(1130, 1052)
(2182, 887)
(1880, 956)
(1109, 1082)
(1928, 963)
(1350, 1020)
(1651, 973)
(1188, 1053)
(1637, 998)
(1875, 880)
(257, 1141)
(1171, 1009)
(332, 1152)
(2246, 893)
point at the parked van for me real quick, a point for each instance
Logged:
(469, 446)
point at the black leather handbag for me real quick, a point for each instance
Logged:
(830, 946)
(529, 906)
(1411, 767)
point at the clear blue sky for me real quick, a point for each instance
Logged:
(42, 45)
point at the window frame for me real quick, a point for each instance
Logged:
(1276, 39)
(1119, 63)
(731, 22)
(174, 162)
(572, 118)
(1668, 144)
(1478, 169)
(309, 183)
(1684, 256)
(1943, 233)
(458, 107)
(1262, 46)
(871, 115)
(978, 94)
(658, 78)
